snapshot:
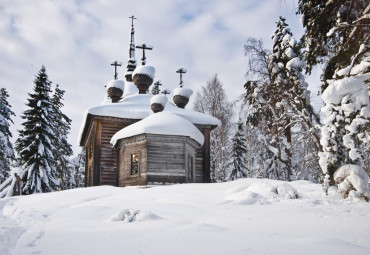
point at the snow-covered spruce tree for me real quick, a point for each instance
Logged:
(213, 101)
(62, 150)
(6, 147)
(155, 89)
(337, 34)
(34, 144)
(239, 149)
(80, 169)
(278, 103)
(78, 164)
(290, 97)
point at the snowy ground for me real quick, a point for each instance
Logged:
(241, 217)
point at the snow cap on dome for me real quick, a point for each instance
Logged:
(116, 84)
(162, 123)
(159, 99)
(148, 70)
(185, 92)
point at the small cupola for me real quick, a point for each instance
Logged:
(115, 87)
(181, 94)
(158, 102)
(143, 75)
(115, 90)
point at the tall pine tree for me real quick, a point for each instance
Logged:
(6, 147)
(239, 149)
(34, 144)
(62, 150)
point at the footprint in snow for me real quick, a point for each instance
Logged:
(130, 215)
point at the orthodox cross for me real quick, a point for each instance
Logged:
(144, 47)
(181, 71)
(132, 20)
(166, 91)
(157, 84)
(115, 64)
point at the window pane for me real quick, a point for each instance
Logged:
(134, 163)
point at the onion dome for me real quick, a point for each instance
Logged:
(158, 102)
(181, 96)
(115, 89)
(143, 77)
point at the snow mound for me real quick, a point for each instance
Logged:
(148, 70)
(116, 84)
(285, 190)
(159, 99)
(262, 193)
(183, 92)
(351, 179)
(161, 123)
(130, 215)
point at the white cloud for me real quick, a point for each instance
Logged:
(76, 41)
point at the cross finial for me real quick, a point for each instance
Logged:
(181, 71)
(115, 64)
(132, 20)
(158, 83)
(144, 47)
(166, 91)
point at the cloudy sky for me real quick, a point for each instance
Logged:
(77, 40)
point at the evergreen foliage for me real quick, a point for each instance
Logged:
(239, 149)
(34, 144)
(6, 147)
(79, 169)
(212, 100)
(155, 89)
(279, 110)
(62, 150)
(337, 34)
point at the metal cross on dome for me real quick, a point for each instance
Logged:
(166, 92)
(144, 47)
(181, 71)
(115, 64)
(132, 20)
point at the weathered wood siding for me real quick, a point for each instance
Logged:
(127, 147)
(163, 159)
(166, 159)
(199, 165)
(108, 173)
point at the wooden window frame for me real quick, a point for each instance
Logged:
(138, 163)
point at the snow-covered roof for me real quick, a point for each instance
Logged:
(130, 89)
(116, 84)
(137, 106)
(161, 123)
(183, 92)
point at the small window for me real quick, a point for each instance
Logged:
(190, 168)
(135, 163)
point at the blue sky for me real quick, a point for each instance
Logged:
(77, 40)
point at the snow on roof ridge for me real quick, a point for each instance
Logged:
(161, 123)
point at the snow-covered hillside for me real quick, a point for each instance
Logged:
(241, 217)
